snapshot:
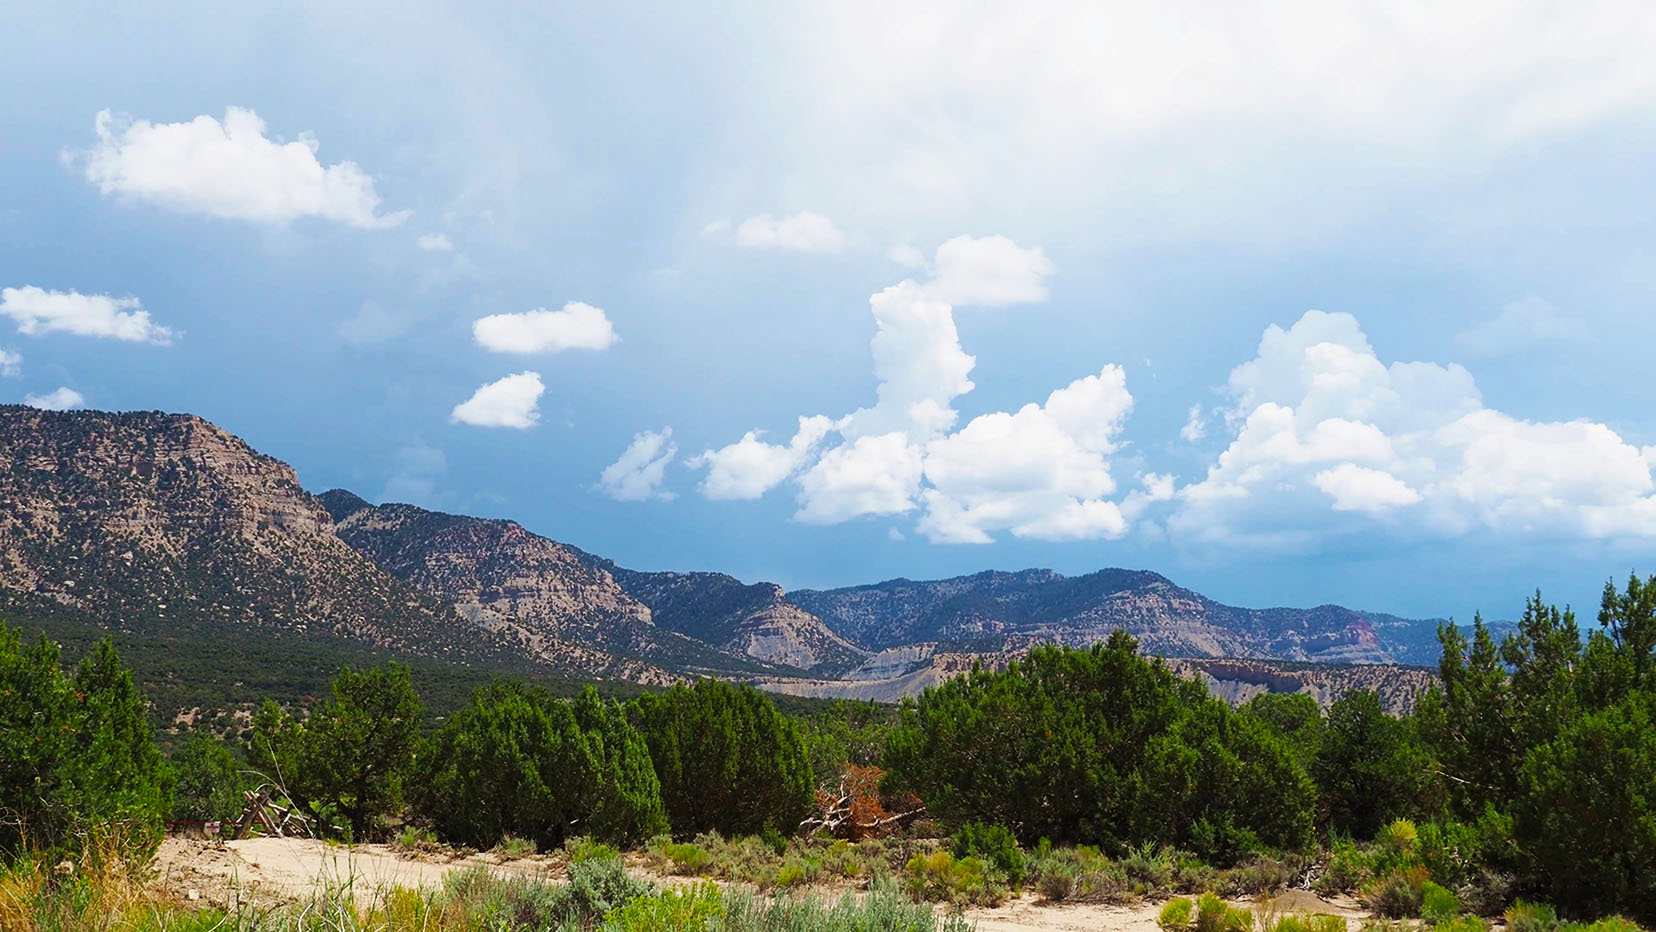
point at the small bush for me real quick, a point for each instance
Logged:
(1398, 895)
(1461, 924)
(687, 858)
(1215, 915)
(1524, 916)
(1058, 881)
(1348, 869)
(1438, 905)
(584, 848)
(1256, 876)
(514, 847)
(1175, 916)
(1299, 922)
(941, 876)
(1149, 869)
(994, 845)
(683, 910)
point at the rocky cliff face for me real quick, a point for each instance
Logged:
(753, 620)
(998, 611)
(162, 523)
(552, 597)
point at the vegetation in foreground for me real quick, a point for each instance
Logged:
(1081, 774)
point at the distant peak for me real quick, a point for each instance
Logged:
(341, 504)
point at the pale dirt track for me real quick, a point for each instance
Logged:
(267, 871)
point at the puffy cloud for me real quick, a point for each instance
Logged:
(1195, 426)
(877, 474)
(1042, 471)
(435, 242)
(11, 363)
(638, 473)
(750, 467)
(1520, 325)
(576, 326)
(229, 169)
(508, 402)
(1359, 488)
(803, 232)
(989, 271)
(1329, 438)
(39, 311)
(61, 399)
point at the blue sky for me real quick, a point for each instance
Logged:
(1006, 286)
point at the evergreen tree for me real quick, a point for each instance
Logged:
(727, 761)
(1368, 770)
(517, 761)
(1099, 746)
(208, 780)
(76, 753)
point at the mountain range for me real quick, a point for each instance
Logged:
(165, 526)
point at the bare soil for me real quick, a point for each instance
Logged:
(258, 872)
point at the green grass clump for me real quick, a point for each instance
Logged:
(1175, 915)
(687, 858)
(1215, 915)
(583, 848)
(1437, 905)
(513, 847)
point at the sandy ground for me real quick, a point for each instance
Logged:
(265, 871)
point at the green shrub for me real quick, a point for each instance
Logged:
(1102, 745)
(207, 780)
(791, 874)
(1459, 924)
(1300, 922)
(1438, 905)
(517, 761)
(1149, 868)
(994, 845)
(1176, 914)
(1348, 869)
(940, 876)
(687, 858)
(686, 910)
(1058, 881)
(584, 848)
(726, 760)
(1215, 915)
(514, 847)
(77, 755)
(1398, 894)
(1524, 916)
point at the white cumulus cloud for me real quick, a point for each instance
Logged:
(229, 169)
(435, 242)
(1329, 437)
(39, 311)
(509, 402)
(750, 467)
(1195, 425)
(803, 232)
(11, 363)
(639, 472)
(60, 399)
(576, 326)
(988, 271)
(1041, 472)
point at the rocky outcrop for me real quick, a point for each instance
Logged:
(754, 620)
(165, 524)
(549, 596)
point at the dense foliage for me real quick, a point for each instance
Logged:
(1101, 747)
(519, 762)
(726, 759)
(76, 751)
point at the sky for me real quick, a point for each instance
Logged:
(1294, 303)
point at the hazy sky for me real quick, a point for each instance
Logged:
(1294, 303)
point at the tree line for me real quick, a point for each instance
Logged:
(1529, 767)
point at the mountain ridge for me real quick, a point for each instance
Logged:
(162, 524)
